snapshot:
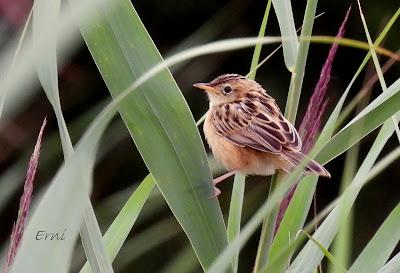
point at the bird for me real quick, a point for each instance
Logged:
(247, 131)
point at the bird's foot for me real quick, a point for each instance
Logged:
(216, 193)
(219, 179)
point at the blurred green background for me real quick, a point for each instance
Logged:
(170, 23)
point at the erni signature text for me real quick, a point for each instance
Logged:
(43, 235)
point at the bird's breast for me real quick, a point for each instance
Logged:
(234, 157)
(224, 150)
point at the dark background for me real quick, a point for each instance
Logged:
(169, 23)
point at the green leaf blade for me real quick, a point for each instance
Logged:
(310, 256)
(235, 213)
(393, 266)
(386, 105)
(284, 13)
(123, 223)
(380, 246)
(160, 122)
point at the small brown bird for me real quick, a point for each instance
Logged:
(247, 131)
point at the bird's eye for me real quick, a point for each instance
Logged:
(227, 89)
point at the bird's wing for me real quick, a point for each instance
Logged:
(256, 123)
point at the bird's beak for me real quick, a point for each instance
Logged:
(205, 87)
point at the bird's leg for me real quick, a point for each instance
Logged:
(223, 177)
(220, 179)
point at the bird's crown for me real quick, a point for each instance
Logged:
(226, 78)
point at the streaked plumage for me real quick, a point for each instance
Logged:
(246, 130)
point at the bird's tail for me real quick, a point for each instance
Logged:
(312, 167)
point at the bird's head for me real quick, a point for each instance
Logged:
(227, 88)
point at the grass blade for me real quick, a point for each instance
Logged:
(45, 20)
(327, 254)
(93, 242)
(14, 59)
(296, 81)
(384, 162)
(310, 256)
(147, 240)
(235, 213)
(123, 223)
(393, 266)
(257, 50)
(292, 221)
(377, 65)
(380, 246)
(267, 233)
(384, 108)
(166, 125)
(365, 90)
(343, 242)
(283, 10)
